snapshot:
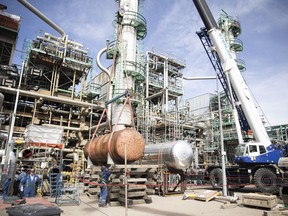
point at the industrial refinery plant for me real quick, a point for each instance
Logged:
(131, 118)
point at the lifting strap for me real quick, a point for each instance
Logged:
(132, 119)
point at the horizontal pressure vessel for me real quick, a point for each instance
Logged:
(98, 149)
(176, 154)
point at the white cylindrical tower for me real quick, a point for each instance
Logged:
(231, 29)
(131, 26)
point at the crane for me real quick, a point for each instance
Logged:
(256, 161)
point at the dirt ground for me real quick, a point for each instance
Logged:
(170, 205)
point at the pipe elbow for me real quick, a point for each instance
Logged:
(105, 70)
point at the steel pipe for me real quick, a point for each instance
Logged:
(50, 98)
(42, 16)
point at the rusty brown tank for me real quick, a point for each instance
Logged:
(98, 148)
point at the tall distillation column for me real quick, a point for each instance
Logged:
(127, 38)
(125, 66)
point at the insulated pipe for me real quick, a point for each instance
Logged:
(50, 98)
(64, 127)
(147, 75)
(200, 78)
(100, 65)
(104, 124)
(12, 165)
(72, 150)
(105, 70)
(1, 99)
(2, 152)
(154, 95)
(2, 156)
(42, 16)
(25, 153)
(74, 156)
(7, 177)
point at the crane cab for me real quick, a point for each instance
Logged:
(250, 149)
(257, 153)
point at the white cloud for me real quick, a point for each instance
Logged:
(259, 19)
(270, 92)
(90, 20)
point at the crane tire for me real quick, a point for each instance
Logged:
(266, 181)
(216, 178)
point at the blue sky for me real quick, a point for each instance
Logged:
(171, 27)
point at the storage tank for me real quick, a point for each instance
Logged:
(176, 154)
(98, 148)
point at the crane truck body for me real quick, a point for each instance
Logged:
(258, 161)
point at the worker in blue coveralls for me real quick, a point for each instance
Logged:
(21, 176)
(30, 183)
(103, 181)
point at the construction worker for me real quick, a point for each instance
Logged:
(103, 181)
(30, 183)
(45, 182)
(20, 177)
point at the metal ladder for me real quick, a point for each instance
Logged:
(55, 173)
